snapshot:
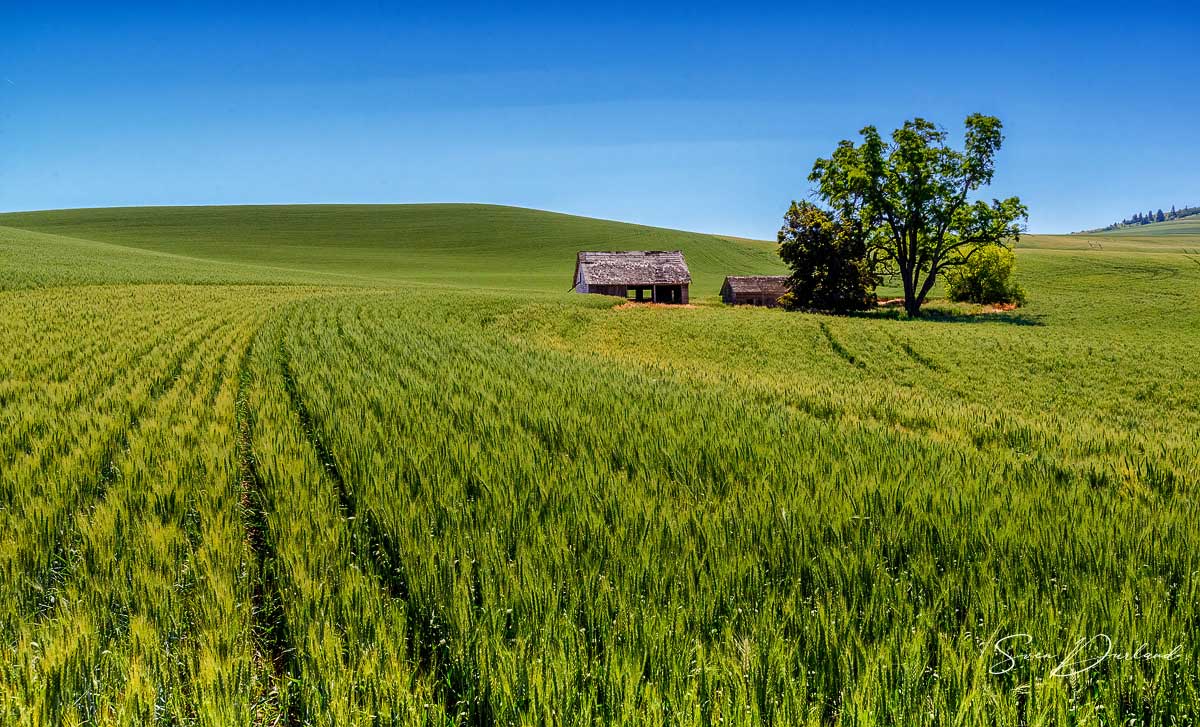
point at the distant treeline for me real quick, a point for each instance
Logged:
(1146, 218)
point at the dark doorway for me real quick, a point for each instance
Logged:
(668, 294)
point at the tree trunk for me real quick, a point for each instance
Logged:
(930, 279)
(912, 305)
(909, 270)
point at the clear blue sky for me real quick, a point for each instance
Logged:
(698, 116)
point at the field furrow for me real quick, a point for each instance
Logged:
(349, 637)
(273, 654)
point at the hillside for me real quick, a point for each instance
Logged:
(453, 244)
(1140, 219)
(1174, 228)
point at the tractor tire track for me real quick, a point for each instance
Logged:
(840, 349)
(388, 568)
(273, 651)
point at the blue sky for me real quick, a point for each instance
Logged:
(703, 116)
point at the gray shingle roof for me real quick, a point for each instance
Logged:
(758, 284)
(634, 267)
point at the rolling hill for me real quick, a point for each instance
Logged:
(448, 244)
(1174, 228)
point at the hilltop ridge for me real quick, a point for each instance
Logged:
(1138, 219)
(469, 245)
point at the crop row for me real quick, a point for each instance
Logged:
(126, 573)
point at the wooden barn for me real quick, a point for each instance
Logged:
(652, 276)
(754, 289)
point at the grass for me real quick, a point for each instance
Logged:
(448, 244)
(397, 482)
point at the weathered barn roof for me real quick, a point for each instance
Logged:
(633, 267)
(757, 284)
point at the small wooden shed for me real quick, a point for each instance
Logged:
(762, 290)
(652, 276)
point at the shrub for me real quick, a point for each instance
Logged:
(828, 260)
(985, 276)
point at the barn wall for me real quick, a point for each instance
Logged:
(620, 290)
(617, 290)
(766, 300)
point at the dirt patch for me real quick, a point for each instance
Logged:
(982, 310)
(635, 304)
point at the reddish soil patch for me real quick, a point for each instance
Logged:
(983, 310)
(635, 304)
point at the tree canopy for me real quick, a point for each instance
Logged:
(911, 199)
(828, 261)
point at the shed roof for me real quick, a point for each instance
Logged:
(633, 267)
(758, 284)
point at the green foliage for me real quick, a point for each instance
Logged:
(828, 262)
(394, 505)
(985, 276)
(911, 197)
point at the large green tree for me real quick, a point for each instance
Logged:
(912, 197)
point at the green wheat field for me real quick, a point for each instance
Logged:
(374, 465)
